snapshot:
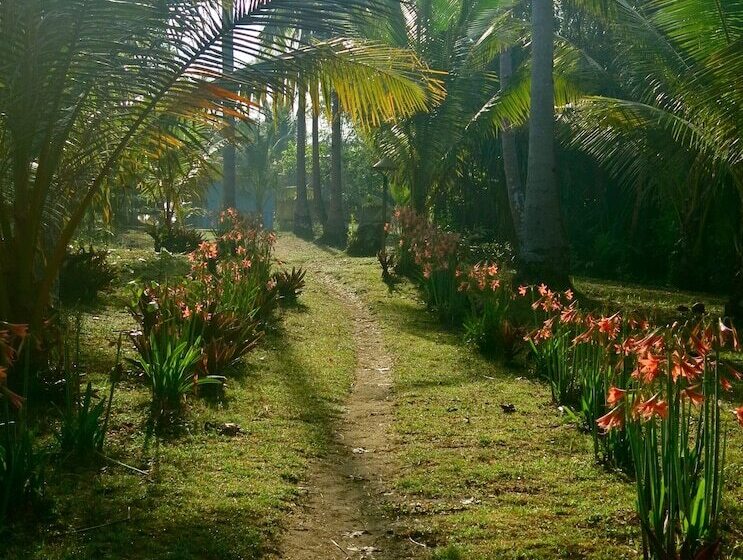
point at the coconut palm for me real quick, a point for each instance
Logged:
(83, 80)
(671, 121)
(544, 253)
(336, 229)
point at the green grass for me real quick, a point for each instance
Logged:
(469, 481)
(491, 485)
(207, 495)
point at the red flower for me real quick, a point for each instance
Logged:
(739, 414)
(542, 289)
(568, 314)
(20, 331)
(647, 368)
(694, 395)
(609, 326)
(615, 396)
(612, 419)
(652, 407)
(569, 295)
(687, 366)
(522, 290)
(729, 334)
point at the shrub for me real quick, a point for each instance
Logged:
(365, 240)
(224, 336)
(84, 419)
(174, 239)
(21, 465)
(488, 324)
(81, 433)
(170, 367)
(289, 285)
(84, 273)
(21, 468)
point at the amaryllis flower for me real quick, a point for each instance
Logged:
(20, 331)
(648, 368)
(522, 290)
(694, 395)
(542, 289)
(689, 367)
(615, 395)
(16, 401)
(654, 406)
(569, 295)
(609, 326)
(739, 414)
(569, 314)
(728, 334)
(611, 420)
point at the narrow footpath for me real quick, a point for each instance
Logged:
(342, 515)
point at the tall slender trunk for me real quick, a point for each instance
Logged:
(302, 219)
(336, 230)
(316, 177)
(511, 167)
(229, 175)
(544, 254)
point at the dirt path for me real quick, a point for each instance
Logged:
(342, 515)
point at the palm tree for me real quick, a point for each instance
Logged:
(317, 196)
(84, 81)
(229, 179)
(544, 253)
(302, 217)
(337, 229)
(511, 166)
(671, 121)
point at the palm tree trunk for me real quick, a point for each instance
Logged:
(302, 219)
(511, 167)
(336, 231)
(316, 177)
(544, 254)
(229, 176)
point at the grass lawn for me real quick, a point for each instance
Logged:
(490, 484)
(206, 495)
(469, 480)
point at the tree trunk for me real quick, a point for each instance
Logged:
(511, 167)
(229, 179)
(316, 177)
(336, 230)
(544, 254)
(302, 219)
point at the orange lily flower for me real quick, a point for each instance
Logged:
(615, 396)
(612, 419)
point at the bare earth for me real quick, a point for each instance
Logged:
(342, 515)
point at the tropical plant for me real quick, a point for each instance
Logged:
(170, 368)
(674, 423)
(289, 285)
(67, 125)
(666, 121)
(174, 238)
(84, 274)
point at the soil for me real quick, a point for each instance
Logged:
(343, 514)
